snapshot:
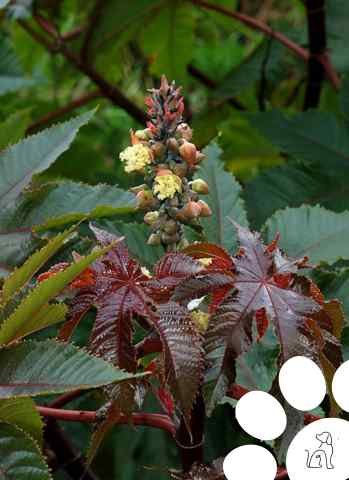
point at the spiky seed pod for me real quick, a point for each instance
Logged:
(189, 211)
(169, 239)
(180, 169)
(145, 199)
(154, 239)
(158, 149)
(170, 227)
(199, 186)
(143, 135)
(188, 152)
(205, 209)
(185, 131)
(151, 218)
(172, 144)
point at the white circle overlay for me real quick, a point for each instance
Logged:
(320, 451)
(340, 388)
(261, 415)
(302, 383)
(250, 462)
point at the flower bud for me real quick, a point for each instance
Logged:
(169, 239)
(181, 169)
(151, 217)
(170, 227)
(199, 186)
(142, 135)
(189, 211)
(205, 209)
(145, 199)
(158, 149)
(172, 144)
(188, 152)
(154, 239)
(185, 131)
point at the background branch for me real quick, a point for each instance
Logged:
(73, 105)
(317, 45)
(107, 89)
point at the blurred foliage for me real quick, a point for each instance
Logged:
(242, 89)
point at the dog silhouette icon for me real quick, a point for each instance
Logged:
(322, 456)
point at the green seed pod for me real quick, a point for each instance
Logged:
(151, 217)
(154, 239)
(199, 186)
(170, 227)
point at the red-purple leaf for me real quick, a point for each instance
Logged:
(182, 347)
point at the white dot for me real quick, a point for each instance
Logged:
(261, 415)
(302, 383)
(340, 386)
(250, 462)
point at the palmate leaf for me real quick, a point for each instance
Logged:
(20, 456)
(37, 368)
(122, 293)
(182, 347)
(267, 292)
(33, 155)
(325, 234)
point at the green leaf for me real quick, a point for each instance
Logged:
(13, 128)
(338, 287)
(312, 136)
(337, 12)
(315, 232)
(11, 73)
(293, 185)
(54, 205)
(136, 236)
(20, 457)
(44, 317)
(223, 198)
(30, 307)
(22, 412)
(169, 39)
(249, 71)
(33, 155)
(25, 273)
(69, 202)
(36, 368)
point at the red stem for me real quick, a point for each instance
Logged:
(256, 25)
(264, 28)
(50, 117)
(154, 420)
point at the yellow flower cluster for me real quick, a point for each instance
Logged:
(135, 158)
(166, 186)
(201, 319)
(206, 262)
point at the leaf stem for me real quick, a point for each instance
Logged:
(155, 420)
